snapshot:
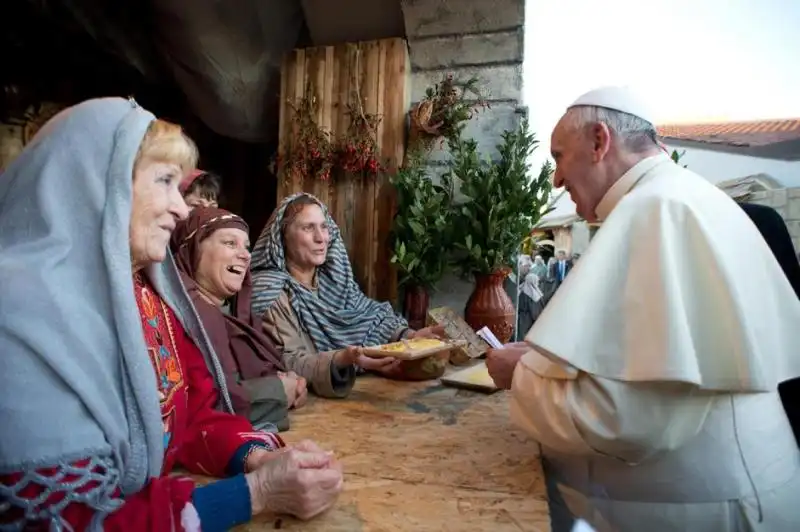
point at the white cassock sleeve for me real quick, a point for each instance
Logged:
(573, 412)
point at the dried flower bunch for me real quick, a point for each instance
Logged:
(357, 150)
(311, 151)
(442, 114)
(314, 153)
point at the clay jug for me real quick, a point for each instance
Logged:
(415, 306)
(489, 305)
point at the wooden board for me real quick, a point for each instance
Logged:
(421, 457)
(456, 328)
(473, 378)
(411, 349)
(363, 208)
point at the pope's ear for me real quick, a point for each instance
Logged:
(601, 141)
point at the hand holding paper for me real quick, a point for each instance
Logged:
(489, 337)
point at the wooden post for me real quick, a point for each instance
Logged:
(362, 207)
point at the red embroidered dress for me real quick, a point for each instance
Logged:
(196, 436)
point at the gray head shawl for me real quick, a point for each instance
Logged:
(339, 314)
(78, 382)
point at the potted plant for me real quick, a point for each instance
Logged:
(501, 202)
(420, 235)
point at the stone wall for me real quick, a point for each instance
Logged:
(482, 38)
(787, 203)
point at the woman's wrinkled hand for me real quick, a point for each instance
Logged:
(436, 332)
(309, 446)
(378, 365)
(347, 356)
(295, 388)
(302, 393)
(259, 456)
(296, 482)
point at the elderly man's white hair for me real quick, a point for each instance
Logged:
(619, 108)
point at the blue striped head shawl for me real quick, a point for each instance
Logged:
(338, 313)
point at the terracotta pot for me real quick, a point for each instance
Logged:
(415, 306)
(489, 305)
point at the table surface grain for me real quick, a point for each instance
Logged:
(421, 457)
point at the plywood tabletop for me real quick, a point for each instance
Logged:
(421, 457)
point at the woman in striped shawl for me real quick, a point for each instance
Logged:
(312, 307)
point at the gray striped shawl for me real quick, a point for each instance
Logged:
(338, 314)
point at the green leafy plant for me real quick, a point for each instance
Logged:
(422, 228)
(502, 200)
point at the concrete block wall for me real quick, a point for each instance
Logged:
(787, 202)
(482, 38)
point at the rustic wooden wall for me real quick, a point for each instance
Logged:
(362, 207)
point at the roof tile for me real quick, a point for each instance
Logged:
(751, 133)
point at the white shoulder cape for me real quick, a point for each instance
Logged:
(677, 285)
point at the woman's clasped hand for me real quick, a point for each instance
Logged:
(295, 387)
(303, 481)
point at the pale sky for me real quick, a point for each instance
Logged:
(699, 60)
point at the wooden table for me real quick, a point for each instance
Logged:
(422, 457)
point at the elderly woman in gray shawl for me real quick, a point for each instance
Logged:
(111, 382)
(539, 267)
(531, 298)
(314, 310)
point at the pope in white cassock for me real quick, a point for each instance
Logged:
(650, 379)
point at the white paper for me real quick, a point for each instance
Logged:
(490, 338)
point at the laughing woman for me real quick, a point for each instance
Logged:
(110, 382)
(212, 252)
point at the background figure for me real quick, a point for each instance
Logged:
(524, 264)
(772, 227)
(548, 283)
(202, 189)
(561, 267)
(775, 233)
(531, 302)
(539, 267)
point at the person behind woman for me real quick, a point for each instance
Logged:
(548, 283)
(312, 307)
(201, 189)
(212, 253)
(531, 301)
(539, 267)
(108, 387)
(774, 231)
